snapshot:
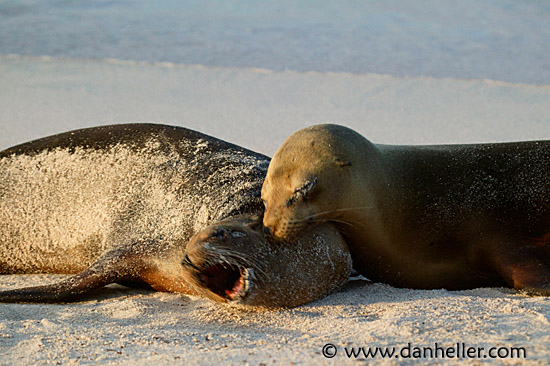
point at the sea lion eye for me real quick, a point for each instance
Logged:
(305, 188)
(218, 234)
(292, 200)
(302, 191)
(237, 234)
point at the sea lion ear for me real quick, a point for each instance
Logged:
(342, 163)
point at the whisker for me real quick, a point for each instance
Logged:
(338, 210)
(233, 258)
(312, 218)
(343, 230)
(353, 224)
(351, 208)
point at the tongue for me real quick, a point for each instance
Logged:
(237, 287)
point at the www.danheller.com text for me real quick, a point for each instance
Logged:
(454, 351)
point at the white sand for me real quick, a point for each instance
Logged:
(258, 109)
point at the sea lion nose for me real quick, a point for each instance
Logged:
(269, 219)
(268, 232)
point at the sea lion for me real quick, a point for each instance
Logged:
(425, 217)
(232, 261)
(120, 203)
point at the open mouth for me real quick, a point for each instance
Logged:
(225, 280)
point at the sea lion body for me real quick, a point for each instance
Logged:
(119, 204)
(449, 216)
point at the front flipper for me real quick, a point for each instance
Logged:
(120, 264)
(525, 267)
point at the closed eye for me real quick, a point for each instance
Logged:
(302, 192)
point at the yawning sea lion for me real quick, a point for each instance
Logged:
(120, 203)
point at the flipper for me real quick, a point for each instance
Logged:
(525, 267)
(118, 265)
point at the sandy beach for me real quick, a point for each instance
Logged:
(258, 109)
(487, 82)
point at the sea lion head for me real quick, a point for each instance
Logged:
(233, 262)
(310, 177)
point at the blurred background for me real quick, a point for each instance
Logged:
(253, 72)
(506, 40)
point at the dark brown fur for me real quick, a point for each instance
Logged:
(449, 216)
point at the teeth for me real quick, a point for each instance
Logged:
(216, 279)
(237, 287)
(240, 287)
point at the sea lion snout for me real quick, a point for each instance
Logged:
(270, 215)
(268, 232)
(275, 227)
(219, 263)
(278, 226)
